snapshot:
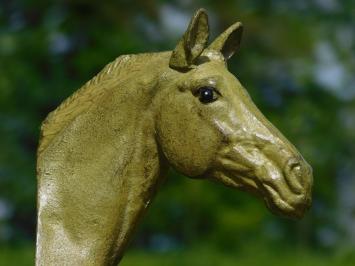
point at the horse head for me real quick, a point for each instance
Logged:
(208, 127)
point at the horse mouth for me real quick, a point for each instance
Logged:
(294, 206)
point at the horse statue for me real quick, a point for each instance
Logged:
(106, 149)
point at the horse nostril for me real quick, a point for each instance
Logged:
(294, 164)
(300, 171)
(295, 169)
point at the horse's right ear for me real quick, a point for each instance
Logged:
(192, 43)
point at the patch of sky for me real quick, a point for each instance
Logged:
(331, 73)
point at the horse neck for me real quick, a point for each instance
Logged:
(97, 177)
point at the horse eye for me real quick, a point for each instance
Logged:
(207, 94)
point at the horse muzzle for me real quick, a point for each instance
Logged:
(289, 194)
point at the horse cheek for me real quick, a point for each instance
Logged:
(187, 141)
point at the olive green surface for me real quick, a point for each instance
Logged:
(104, 151)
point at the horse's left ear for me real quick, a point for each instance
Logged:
(229, 41)
(192, 43)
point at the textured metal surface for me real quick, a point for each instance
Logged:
(104, 151)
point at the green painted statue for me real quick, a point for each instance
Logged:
(104, 151)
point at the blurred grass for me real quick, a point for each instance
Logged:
(206, 256)
(19, 255)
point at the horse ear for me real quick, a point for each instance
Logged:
(192, 43)
(229, 41)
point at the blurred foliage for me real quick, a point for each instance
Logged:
(297, 62)
(255, 255)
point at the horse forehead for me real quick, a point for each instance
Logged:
(211, 69)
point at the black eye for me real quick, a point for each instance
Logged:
(207, 94)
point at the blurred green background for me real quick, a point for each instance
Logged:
(297, 62)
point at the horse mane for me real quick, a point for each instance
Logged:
(84, 97)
